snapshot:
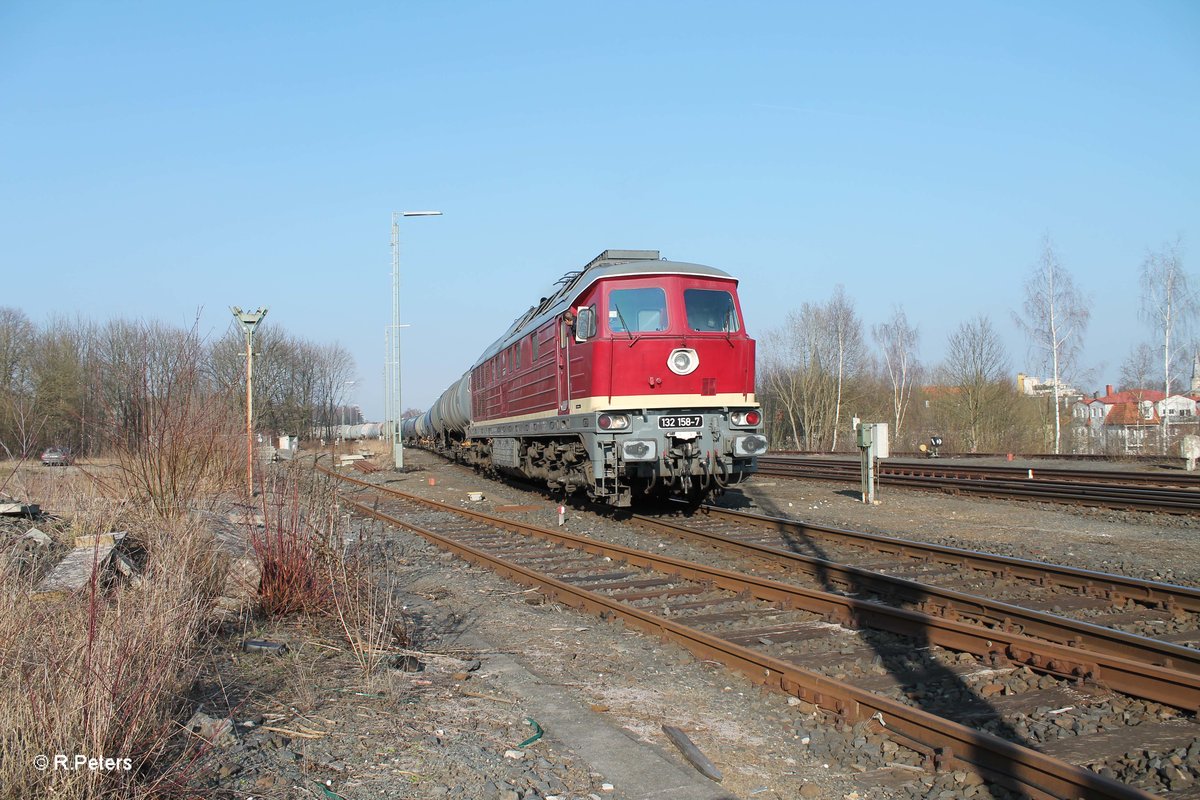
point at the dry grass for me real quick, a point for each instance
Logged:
(105, 673)
(101, 673)
(362, 603)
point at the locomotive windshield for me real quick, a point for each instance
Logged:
(710, 310)
(637, 310)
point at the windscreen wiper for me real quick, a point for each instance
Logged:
(632, 339)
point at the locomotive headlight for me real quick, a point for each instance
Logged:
(747, 446)
(745, 418)
(639, 450)
(683, 361)
(612, 422)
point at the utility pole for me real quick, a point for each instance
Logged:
(249, 321)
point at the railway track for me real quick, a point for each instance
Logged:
(1177, 493)
(1117, 601)
(922, 679)
(996, 593)
(944, 453)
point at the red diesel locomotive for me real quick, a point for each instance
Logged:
(634, 378)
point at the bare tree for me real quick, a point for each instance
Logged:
(816, 380)
(897, 341)
(298, 385)
(1169, 302)
(976, 371)
(61, 383)
(1137, 370)
(845, 334)
(779, 373)
(17, 337)
(16, 343)
(1056, 316)
(798, 371)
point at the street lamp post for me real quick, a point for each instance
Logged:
(395, 407)
(249, 321)
(349, 385)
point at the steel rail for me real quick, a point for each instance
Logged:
(946, 744)
(1117, 588)
(954, 605)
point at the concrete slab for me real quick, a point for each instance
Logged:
(638, 771)
(75, 570)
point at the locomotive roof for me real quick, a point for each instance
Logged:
(609, 264)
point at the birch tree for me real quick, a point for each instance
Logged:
(897, 340)
(1055, 319)
(818, 385)
(1169, 302)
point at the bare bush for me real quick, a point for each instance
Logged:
(173, 440)
(296, 547)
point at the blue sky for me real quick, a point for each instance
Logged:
(157, 159)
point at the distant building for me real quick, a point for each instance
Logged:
(1037, 387)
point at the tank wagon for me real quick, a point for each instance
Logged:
(363, 430)
(634, 378)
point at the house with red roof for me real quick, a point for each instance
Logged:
(1127, 421)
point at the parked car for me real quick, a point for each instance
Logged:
(56, 457)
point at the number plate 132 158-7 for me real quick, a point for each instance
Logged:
(682, 421)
